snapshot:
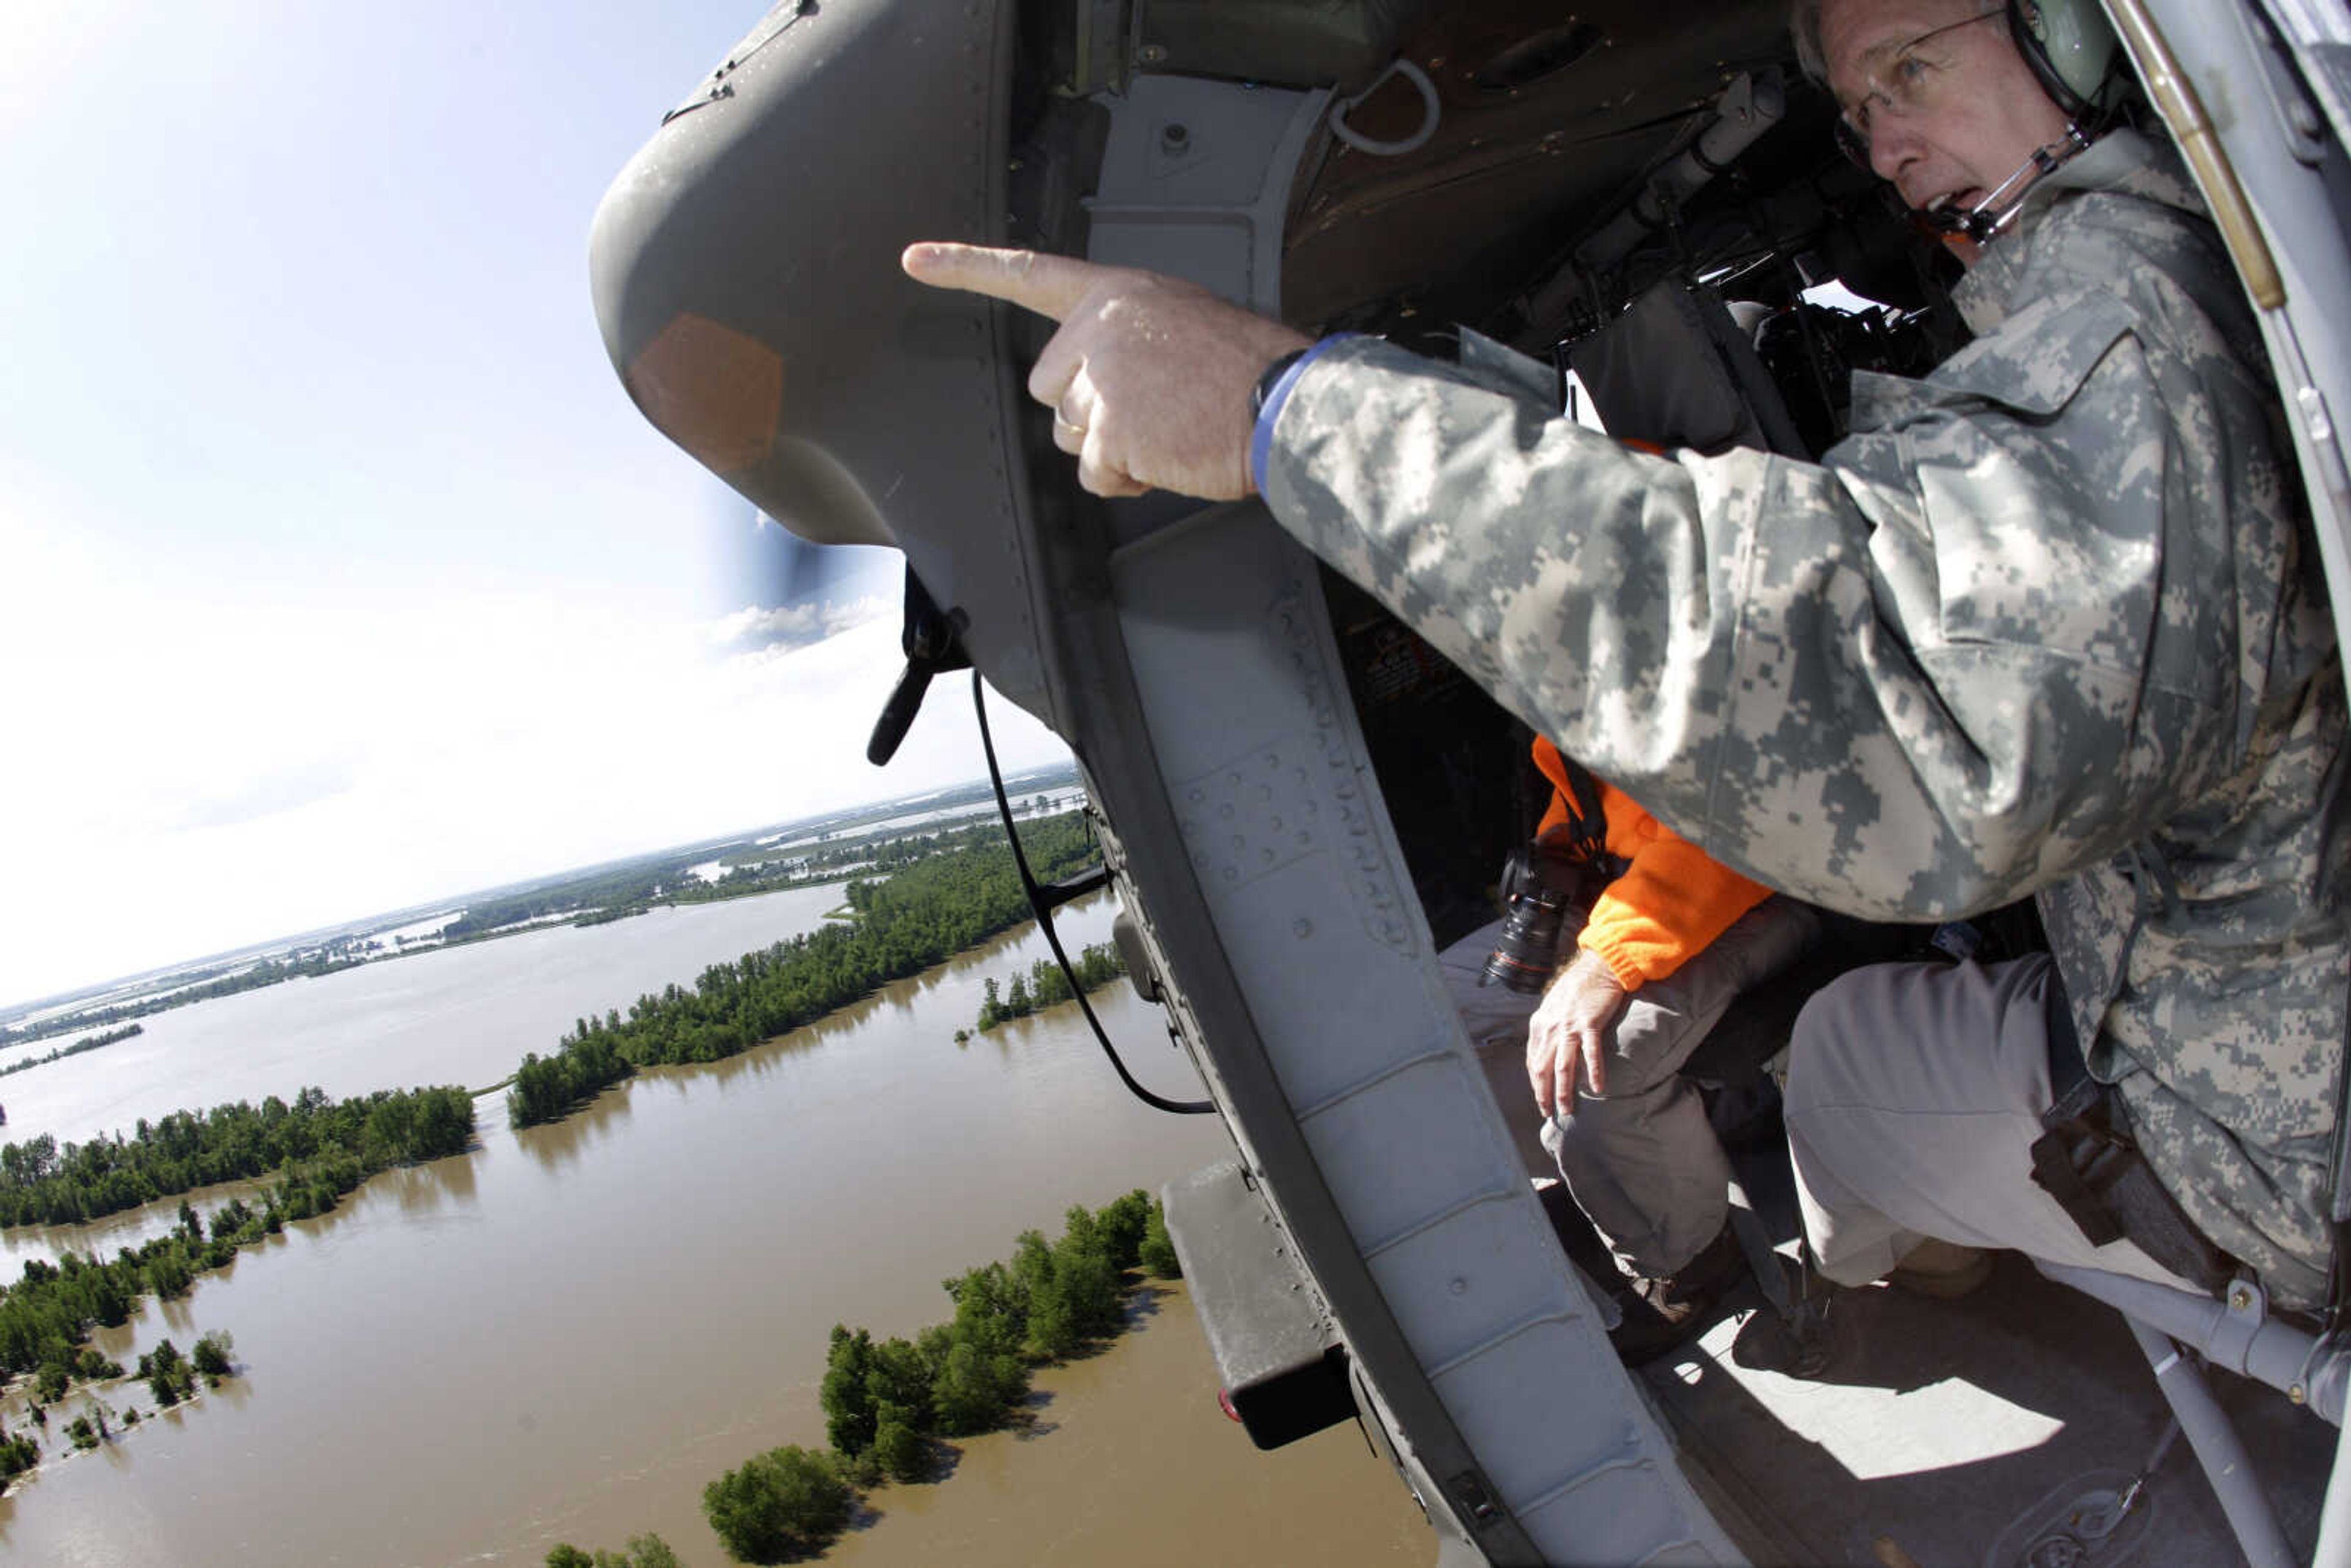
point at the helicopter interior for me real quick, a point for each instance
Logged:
(1534, 174)
(1638, 207)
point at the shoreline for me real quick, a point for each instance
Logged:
(108, 1229)
(739, 1428)
(1123, 1453)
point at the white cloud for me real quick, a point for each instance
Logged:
(336, 571)
(285, 788)
(795, 625)
(187, 777)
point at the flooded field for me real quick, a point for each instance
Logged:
(565, 1334)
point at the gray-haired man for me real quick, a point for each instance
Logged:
(2047, 622)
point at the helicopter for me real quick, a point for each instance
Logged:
(1301, 804)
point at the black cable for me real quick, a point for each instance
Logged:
(1043, 908)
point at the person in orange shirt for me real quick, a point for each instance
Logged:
(1668, 943)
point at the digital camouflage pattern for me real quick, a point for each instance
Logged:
(2048, 621)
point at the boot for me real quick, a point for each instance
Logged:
(1800, 1336)
(1660, 1313)
(1944, 1270)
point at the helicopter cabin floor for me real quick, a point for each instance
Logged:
(1966, 1434)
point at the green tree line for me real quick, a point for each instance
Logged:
(644, 1551)
(607, 897)
(635, 886)
(882, 851)
(268, 972)
(769, 872)
(46, 1317)
(168, 1374)
(171, 1376)
(931, 909)
(319, 1148)
(18, 1455)
(88, 1042)
(1047, 984)
(888, 1405)
(605, 893)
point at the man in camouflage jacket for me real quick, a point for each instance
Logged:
(2048, 623)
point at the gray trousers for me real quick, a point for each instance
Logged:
(1641, 1161)
(1915, 1093)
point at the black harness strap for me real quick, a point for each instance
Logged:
(2085, 1158)
(1583, 837)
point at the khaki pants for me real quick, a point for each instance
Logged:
(1641, 1162)
(1915, 1093)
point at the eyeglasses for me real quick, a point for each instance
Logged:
(1907, 84)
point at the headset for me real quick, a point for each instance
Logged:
(2072, 48)
(2073, 52)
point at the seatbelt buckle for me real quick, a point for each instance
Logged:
(2060, 1158)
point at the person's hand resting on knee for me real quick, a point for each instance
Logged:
(1567, 1035)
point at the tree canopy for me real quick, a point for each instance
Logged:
(1046, 985)
(889, 1403)
(322, 1146)
(900, 925)
(782, 1505)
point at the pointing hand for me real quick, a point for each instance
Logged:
(1148, 378)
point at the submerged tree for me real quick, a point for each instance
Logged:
(644, 1551)
(784, 1504)
(898, 1447)
(170, 1377)
(211, 1354)
(1156, 1254)
(849, 1415)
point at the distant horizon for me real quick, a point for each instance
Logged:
(341, 568)
(12, 1009)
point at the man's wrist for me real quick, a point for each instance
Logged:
(1263, 392)
(1595, 962)
(1271, 390)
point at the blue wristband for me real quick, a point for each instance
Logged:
(1270, 411)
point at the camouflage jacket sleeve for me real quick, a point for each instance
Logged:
(1957, 661)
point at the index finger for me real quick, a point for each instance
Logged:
(1034, 280)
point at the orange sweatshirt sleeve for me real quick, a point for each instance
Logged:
(1673, 899)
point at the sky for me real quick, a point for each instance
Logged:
(337, 572)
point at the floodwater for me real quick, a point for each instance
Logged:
(565, 1334)
(1130, 1461)
(1061, 798)
(465, 1015)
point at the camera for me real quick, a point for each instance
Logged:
(1540, 883)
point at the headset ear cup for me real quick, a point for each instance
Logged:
(2029, 27)
(2071, 48)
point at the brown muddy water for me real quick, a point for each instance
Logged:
(1129, 1461)
(565, 1334)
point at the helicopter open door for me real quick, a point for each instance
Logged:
(1267, 837)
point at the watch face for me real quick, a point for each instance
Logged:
(1272, 379)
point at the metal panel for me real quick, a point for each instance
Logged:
(1301, 42)
(2219, 50)
(747, 285)
(1183, 181)
(1339, 976)
(1291, 852)
(1455, 1288)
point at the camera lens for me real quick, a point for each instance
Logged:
(1527, 950)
